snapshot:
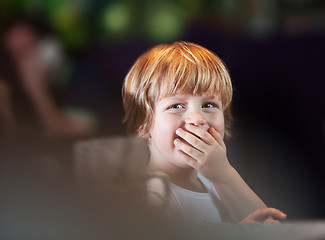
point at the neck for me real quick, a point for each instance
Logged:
(172, 171)
(183, 177)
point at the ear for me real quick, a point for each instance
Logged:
(147, 136)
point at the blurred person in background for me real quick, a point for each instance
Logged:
(41, 67)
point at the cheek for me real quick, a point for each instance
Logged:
(163, 128)
(167, 133)
(168, 129)
(219, 125)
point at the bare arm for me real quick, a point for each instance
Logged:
(237, 196)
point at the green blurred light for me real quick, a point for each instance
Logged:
(191, 6)
(65, 17)
(116, 18)
(228, 7)
(67, 20)
(165, 22)
(76, 37)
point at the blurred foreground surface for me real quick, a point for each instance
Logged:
(46, 198)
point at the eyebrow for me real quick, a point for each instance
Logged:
(212, 97)
(185, 97)
(175, 98)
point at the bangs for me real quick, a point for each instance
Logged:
(192, 81)
(186, 73)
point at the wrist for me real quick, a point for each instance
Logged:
(227, 175)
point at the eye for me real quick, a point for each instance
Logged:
(176, 106)
(209, 105)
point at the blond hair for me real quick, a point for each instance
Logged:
(169, 69)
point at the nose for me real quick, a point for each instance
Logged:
(198, 120)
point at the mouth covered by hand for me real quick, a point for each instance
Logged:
(202, 149)
(205, 127)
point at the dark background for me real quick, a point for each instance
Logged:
(275, 54)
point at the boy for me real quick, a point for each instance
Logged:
(178, 96)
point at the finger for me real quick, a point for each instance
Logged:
(271, 220)
(248, 221)
(275, 213)
(263, 214)
(202, 134)
(191, 139)
(217, 136)
(188, 149)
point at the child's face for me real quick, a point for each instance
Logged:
(171, 113)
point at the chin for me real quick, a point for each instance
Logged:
(184, 165)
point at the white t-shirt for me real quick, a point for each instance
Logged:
(196, 207)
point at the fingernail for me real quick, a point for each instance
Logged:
(178, 131)
(176, 141)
